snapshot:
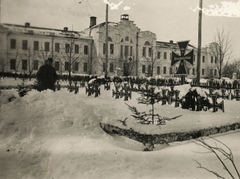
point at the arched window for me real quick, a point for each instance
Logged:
(147, 43)
(127, 39)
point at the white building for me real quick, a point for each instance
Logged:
(132, 52)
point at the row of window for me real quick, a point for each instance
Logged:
(111, 67)
(165, 56)
(74, 48)
(126, 50)
(212, 72)
(57, 65)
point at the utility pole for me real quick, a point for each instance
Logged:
(106, 43)
(0, 11)
(199, 43)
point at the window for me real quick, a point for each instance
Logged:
(149, 52)
(85, 49)
(215, 72)
(57, 47)
(35, 65)
(13, 43)
(131, 50)
(121, 50)
(164, 69)
(203, 59)
(104, 48)
(144, 52)
(193, 71)
(46, 45)
(143, 68)
(57, 65)
(66, 66)
(76, 48)
(67, 48)
(158, 55)
(111, 67)
(12, 64)
(126, 51)
(211, 59)
(202, 71)
(215, 59)
(111, 49)
(24, 44)
(149, 70)
(211, 72)
(158, 70)
(35, 45)
(147, 43)
(104, 67)
(85, 67)
(165, 55)
(76, 66)
(24, 64)
(170, 70)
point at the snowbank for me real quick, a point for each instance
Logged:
(57, 135)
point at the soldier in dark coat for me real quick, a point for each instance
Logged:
(47, 76)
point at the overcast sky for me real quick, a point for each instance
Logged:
(175, 20)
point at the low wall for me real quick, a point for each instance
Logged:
(168, 137)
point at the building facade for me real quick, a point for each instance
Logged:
(131, 52)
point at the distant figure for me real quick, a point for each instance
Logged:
(47, 76)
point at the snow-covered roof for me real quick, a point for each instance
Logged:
(27, 29)
(170, 44)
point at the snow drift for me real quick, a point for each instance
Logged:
(57, 135)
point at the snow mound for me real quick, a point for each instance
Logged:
(46, 113)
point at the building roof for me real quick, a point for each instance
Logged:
(170, 44)
(27, 29)
(113, 24)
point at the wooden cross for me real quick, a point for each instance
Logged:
(215, 105)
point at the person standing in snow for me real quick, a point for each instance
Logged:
(47, 76)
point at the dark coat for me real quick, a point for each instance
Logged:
(47, 77)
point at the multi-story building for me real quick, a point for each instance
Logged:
(131, 52)
(24, 48)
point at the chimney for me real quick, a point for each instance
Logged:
(171, 41)
(65, 29)
(93, 21)
(27, 24)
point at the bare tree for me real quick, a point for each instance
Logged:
(43, 54)
(30, 54)
(231, 67)
(152, 60)
(70, 52)
(223, 154)
(3, 60)
(220, 48)
(17, 62)
(101, 64)
(92, 58)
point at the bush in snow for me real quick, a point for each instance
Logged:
(149, 97)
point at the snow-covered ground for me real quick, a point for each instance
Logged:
(56, 135)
